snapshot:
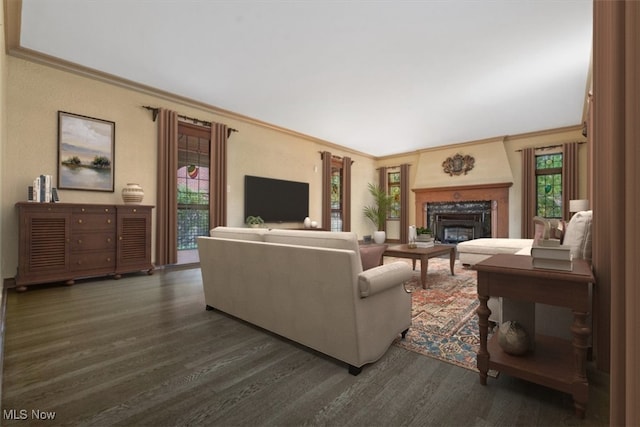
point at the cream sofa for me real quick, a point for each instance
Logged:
(309, 287)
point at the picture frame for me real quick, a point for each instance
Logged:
(86, 153)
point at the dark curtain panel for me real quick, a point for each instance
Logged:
(528, 192)
(326, 190)
(569, 177)
(404, 203)
(167, 202)
(346, 193)
(616, 202)
(218, 175)
(382, 182)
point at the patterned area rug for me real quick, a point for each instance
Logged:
(445, 324)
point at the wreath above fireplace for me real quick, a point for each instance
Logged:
(458, 164)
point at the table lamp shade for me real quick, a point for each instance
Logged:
(578, 205)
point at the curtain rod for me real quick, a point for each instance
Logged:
(393, 167)
(552, 146)
(334, 157)
(156, 110)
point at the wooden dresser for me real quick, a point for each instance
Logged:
(67, 241)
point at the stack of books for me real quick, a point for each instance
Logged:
(424, 241)
(42, 190)
(551, 255)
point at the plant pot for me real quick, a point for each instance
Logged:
(379, 237)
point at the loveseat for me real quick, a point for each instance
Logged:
(309, 287)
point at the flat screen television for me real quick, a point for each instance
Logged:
(276, 200)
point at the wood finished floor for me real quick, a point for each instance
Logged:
(144, 351)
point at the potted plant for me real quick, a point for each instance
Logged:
(377, 212)
(423, 233)
(254, 221)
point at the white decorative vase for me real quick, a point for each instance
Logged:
(132, 194)
(307, 222)
(379, 237)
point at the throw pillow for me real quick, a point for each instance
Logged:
(578, 235)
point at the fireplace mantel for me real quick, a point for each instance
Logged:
(498, 194)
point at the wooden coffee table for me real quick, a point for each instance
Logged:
(423, 254)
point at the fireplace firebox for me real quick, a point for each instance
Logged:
(454, 222)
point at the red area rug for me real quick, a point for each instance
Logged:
(444, 320)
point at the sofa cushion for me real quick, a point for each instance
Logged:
(578, 235)
(239, 233)
(319, 239)
(491, 246)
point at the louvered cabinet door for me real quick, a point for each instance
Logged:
(134, 239)
(44, 231)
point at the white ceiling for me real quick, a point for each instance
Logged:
(379, 76)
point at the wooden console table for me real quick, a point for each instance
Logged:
(68, 241)
(556, 363)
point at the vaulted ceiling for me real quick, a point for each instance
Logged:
(381, 77)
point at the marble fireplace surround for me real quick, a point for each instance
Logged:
(498, 194)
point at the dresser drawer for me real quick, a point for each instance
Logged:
(92, 222)
(92, 241)
(101, 260)
(93, 209)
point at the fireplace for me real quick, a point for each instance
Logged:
(484, 211)
(454, 222)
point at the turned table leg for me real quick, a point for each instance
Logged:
(580, 342)
(483, 326)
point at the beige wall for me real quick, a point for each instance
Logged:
(35, 93)
(3, 129)
(497, 160)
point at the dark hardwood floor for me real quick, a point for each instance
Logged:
(143, 350)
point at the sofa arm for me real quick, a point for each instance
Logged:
(378, 279)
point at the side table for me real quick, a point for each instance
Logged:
(556, 363)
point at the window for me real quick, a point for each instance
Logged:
(336, 196)
(193, 185)
(549, 185)
(393, 187)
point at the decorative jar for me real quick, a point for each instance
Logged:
(513, 338)
(132, 194)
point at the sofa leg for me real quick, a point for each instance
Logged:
(354, 370)
(209, 308)
(404, 333)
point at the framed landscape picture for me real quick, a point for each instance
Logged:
(85, 153)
